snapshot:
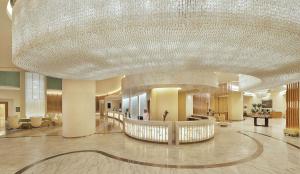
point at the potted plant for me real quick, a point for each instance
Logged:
(259, 108)
(245, 111)
(254, 109)
(165, 115)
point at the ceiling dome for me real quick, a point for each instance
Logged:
(97, 39)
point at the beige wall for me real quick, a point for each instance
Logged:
(219, 104)
(235, 106)
(15, 98)
(164, 99)
(248, 101)
(114, 104)
(278, 102)
(78, 107)
(107, 86)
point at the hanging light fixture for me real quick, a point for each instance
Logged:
(9, 8)
(98, 39)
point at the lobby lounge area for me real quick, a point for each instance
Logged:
(148, 87)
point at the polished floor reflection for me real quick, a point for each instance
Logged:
(239, 148)
(103, 126)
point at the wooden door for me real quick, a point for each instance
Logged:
(6, 109)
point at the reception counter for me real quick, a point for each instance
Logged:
(194, 131)
(116, 115)
(169, 132)
(119, 117)
(153, 131)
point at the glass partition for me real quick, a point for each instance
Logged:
(125, 104)
(34, 95)
(142, 103)
(134, 107)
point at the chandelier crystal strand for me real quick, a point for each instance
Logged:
(98, 39)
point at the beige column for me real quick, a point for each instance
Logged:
(78, 107)
(235, 106)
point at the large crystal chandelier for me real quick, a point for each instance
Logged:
(97, 39)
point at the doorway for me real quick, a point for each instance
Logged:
(101, 107)
(3, 113)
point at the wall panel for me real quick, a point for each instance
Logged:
(201, 104)
(54, 103)
(292, 103)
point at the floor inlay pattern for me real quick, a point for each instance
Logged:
(258, 152)
(291, 144)
(233, 150)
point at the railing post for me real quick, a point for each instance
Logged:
(123, 122)
(170, 133)
(176, 133)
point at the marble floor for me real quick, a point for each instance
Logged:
(103, 127)
(239, 148)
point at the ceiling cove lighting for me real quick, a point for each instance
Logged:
(250, 94)
(54, 92)
(98, 39)
(234, 88)
(109, 93)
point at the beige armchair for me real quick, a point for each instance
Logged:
(217, 117)
(222, 119)
(13, 122)
(36, 121)
(52, 116)
(58, 120)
